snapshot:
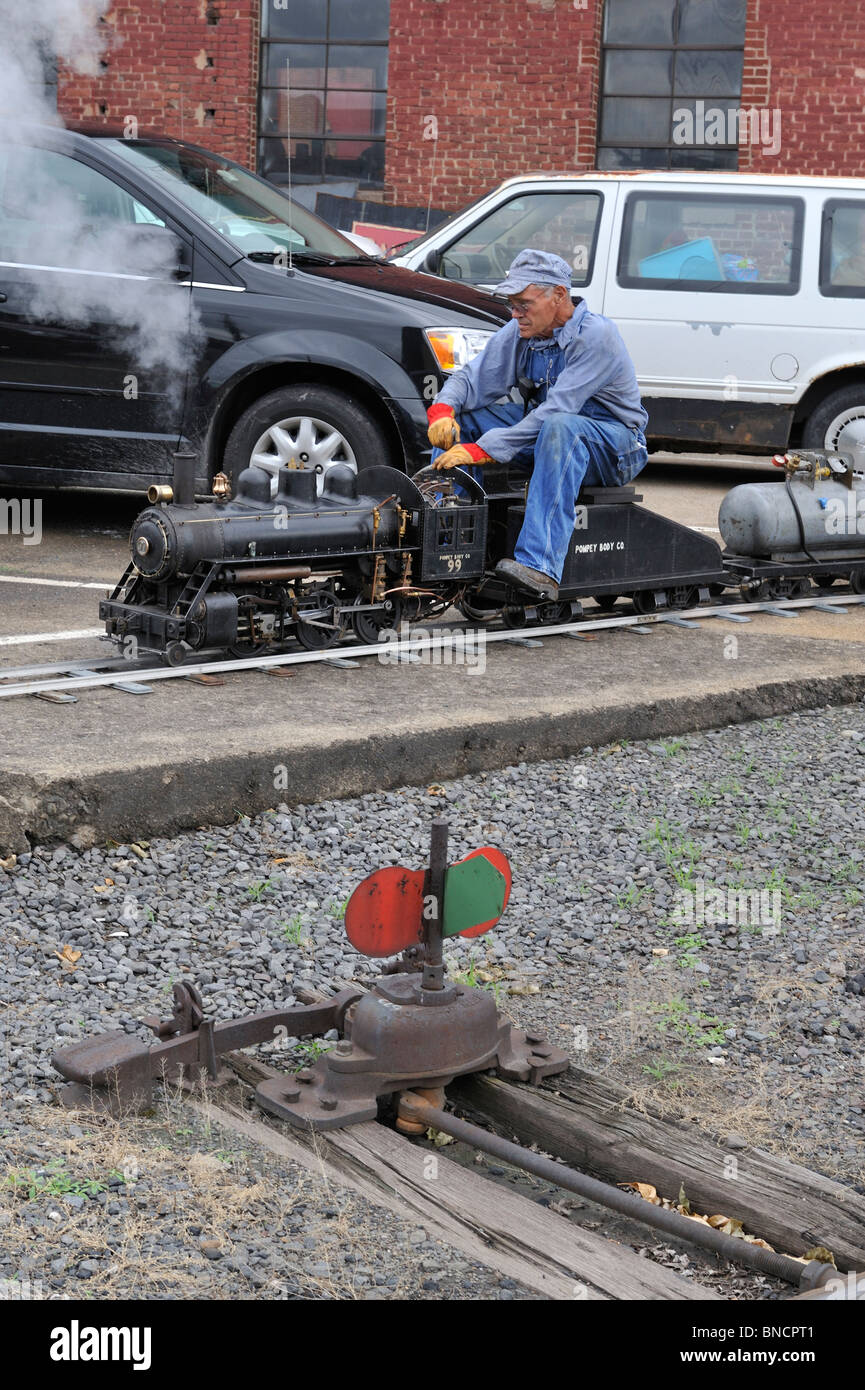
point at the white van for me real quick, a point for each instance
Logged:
(741, 297)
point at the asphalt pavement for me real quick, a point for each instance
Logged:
(115, 765)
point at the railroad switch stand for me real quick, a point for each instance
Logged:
(413, 1030)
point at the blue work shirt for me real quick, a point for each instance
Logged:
(584, 360)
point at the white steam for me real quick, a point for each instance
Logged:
(91, 255)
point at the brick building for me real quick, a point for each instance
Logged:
(424, 103)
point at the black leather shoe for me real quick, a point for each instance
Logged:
(533, 581)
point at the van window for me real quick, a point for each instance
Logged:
(51, 206)
(564, 223)
(842, 249)
(706, 241)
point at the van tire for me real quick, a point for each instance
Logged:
(364, 442)
(819, 427)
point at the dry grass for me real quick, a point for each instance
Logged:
(197, 1182)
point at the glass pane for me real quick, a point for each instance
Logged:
(712, 21)
(705, 158)
(639, 22)
(357, 67)
(847, 246)
(564, 223)
(307, 112)
(355, 113)
(307, 160)
(59, 212)
(699, 123)
(286, 19)
(708, 74)
(688, 237)
(629, 119)
(637, 73)
(359, 19)
(305, 63)
(352, 159)
(618, 158)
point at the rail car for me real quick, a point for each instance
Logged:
(363, 551)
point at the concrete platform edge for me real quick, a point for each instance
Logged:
(130, 802)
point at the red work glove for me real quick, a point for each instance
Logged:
(443, 429)
(461, 456)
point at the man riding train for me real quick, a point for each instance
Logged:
(583, 422)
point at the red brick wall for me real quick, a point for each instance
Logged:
(156, 68)
(809, 62)
(511, 83)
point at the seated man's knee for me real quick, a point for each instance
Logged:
(561, 429)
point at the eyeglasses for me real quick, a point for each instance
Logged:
(522, 309)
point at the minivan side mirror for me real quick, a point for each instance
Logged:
(432, 262)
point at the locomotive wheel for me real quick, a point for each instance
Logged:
(514, 618)
(644, 602)
(315, 425)
(314, 638)
(367, 626)
(606, 602)
(857, 581)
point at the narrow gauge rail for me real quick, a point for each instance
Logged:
(71, 676)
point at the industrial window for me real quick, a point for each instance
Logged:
(842, 249)
(701, 241)
(324, 92)
(671, 84)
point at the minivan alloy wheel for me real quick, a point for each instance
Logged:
(303, 441)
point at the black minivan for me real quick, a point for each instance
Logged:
(155, 296)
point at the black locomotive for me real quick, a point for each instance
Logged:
(251, 573)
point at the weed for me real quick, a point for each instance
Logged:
(689, 945)
(293, 929)
(660, 1070)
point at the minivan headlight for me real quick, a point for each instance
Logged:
(454, 347)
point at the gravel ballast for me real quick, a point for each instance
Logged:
(686, 916)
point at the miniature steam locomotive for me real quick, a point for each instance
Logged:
(250, 573)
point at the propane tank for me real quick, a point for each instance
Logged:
(818, 509)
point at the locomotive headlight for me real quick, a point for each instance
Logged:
(454, 347)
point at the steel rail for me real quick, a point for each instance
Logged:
(389, 652)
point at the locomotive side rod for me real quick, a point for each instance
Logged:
(426, 641)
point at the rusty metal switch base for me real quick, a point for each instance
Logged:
(395, 1042)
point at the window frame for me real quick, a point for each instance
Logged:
(668, 146)
(442, 251)
(639, 282)
(827, 289)
(315, 138)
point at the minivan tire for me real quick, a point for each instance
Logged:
(846, 398)
(364, 437)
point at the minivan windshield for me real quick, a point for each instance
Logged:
(253, 215)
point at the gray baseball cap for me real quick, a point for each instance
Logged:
(535, 268)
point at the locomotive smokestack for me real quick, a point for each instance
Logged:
(184, 479)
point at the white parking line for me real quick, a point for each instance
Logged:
(55, 583)
(713, 530)
(21, 639)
